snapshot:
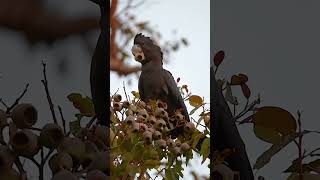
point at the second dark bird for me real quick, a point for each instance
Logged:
(156, 83)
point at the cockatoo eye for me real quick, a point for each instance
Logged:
(137, 53)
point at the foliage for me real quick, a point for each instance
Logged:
(271, 124)
(140, 137)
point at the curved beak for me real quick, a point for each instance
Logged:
(137, 53)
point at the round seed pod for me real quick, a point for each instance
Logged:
(141, 104)
(147, 137)
(96, 175)
(143, 113)
(142, 127)
(51, 135)
(129, 112)
(7, 158)
(117, 106)
(10, 174)
(25, 143)
(190, 127)
(64, 174)
(171, 143)
(184, 146)
(135, 127)
(159, 112)
(129, 120)
(100, 161)
(177, 151)
(60, 161)
(126, 104)
(117, 98)
(152, 120)
(102, 134)
(24, 115)
(161, 143)
(74, 147)
(157, 135)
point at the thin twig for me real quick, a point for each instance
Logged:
(63, 120)
(35, 162)
(34, 128)
(91, 121)
(19, 166)
(159, 172)
(3, 103)
(18, 99)
(45, 84)
(125, 92)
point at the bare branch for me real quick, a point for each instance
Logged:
(45, 84)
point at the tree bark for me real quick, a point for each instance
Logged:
(225, 133)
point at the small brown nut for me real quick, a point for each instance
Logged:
(185, 146)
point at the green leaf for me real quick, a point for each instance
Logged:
(194, 110)
(265, 157)
(84, 105)
(205, 149)
(196, 136)
(75, 127)
(189, 155)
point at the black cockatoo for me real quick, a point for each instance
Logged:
(156, 83)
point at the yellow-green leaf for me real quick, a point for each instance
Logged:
(83, 104)
(135, 94)
(195, 100)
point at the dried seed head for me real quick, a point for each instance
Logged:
(157, 135)
(141, 104)
(24, 115)
(126, 104)
(129, 120)
(117, 106)
(117, 98)
(143, 113)
(161, 143)
(147, 137)
(190, 127)
(60, 161)
(171, 143)
(129, 112)
(179, 117)
(152, 120)
(159, 112)
(143, 127)
(177, 151)
(185, 146)
(51, 135)
(135, 127)
(162, 104)
(151, 130)
(25, 143)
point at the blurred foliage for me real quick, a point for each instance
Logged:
(271, 124)
(124, 25)
(140, 137)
